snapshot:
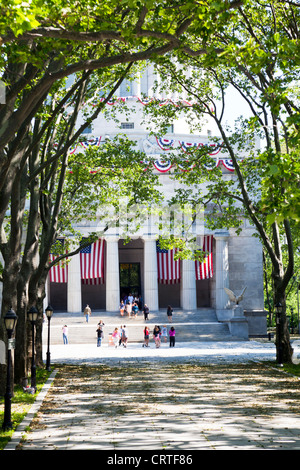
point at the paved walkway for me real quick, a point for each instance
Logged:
(197, 396)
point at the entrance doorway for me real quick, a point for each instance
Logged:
(130, 279)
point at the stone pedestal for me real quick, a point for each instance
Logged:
(188, 294)
(238, 325)
(150, 274)
(112, 280)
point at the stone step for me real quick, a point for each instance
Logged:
(200, 325)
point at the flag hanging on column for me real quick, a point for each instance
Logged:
(58, 272)
(92, 263)
(168, 268)
(204, 269)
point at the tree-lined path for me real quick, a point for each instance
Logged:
(142, 407)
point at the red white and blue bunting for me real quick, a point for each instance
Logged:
(165, 144)
(162, 164)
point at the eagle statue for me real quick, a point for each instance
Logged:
(235, 299)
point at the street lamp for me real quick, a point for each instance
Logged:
(49, 313)
(32, 315)
(10, 321)
(278, 311)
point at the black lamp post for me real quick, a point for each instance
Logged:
(10, 321)
(49, 313)
(278, 311)
(32, 315)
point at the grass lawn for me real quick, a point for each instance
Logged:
(20, 405)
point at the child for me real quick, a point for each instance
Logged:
(116, 337)
(164, 333)
(135, 310)
(121, 308)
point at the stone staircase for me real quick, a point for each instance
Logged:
(190, 326)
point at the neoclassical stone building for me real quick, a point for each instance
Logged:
(138, 267)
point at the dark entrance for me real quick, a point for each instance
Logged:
(130, 279)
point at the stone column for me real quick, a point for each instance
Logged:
(46, 299)
(150, 274)
(74, 302)
(112, 279)
(188, 294)
(222, 275)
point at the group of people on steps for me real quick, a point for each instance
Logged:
(120, 335)
(159, 334)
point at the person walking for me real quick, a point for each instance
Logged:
(128, 307)
(146, 312)
(87, 312)
(99, 335)
(65, 334)
(169, 313)
(146, 337)
(116, 337)
(172, 336)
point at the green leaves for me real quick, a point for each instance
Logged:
(19, 16)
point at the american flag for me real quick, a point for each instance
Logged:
(168, 269)
(205, 270)
(58, 272)
(92, 263)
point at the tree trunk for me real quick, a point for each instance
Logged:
(284, 350)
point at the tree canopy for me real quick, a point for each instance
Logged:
(257, 54)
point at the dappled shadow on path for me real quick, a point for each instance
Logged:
(165, 406)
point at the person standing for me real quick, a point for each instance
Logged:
(135, 310)
(164, 333)
(87, 312)
(169, 313)
(121, 308)
(172, 336)
(128, 307)
(146, 312)
(156, 336)
(121, 335)
(99, 335)
(65, 334)
(146, 337)
(124, 336)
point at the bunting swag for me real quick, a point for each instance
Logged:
(59, 272)
(204, 270)
(92, 263)
(162, 164)
(168, 269)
